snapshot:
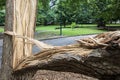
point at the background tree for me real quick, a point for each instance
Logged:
(107, 10)
(116, 10)
(79, 11)
(2, 12)
(2, 17)
(44, 15)
(2, 4)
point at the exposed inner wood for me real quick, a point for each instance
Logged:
(97, 57)
(94, 56)
(41, 45)
(20, 18)
(24, 21)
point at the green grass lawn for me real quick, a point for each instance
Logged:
(81, 31)
(84, 29)
(113, 25)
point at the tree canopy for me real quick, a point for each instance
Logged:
(79, 11)
(2, 3)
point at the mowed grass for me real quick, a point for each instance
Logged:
(83, 29)
(113, 25)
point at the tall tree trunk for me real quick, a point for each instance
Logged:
(64, 23)
(20, 18)
(101, 24)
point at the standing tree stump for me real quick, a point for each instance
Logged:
(20, 18)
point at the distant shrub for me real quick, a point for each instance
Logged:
(73, 25)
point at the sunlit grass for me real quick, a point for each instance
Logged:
(113, 25)
(83, 29)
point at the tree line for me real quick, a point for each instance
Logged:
(78, 11)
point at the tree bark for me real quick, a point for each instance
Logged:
(20, 18)
(96, 57)
(8, 46)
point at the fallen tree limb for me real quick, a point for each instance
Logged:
(98, 58)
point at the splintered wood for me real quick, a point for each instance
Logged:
(85, 47)
(24, 21)
(20, 18)
(101, 40)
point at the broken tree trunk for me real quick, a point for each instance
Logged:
(20, 18)
(97, 57)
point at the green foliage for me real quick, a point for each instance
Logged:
(44, 4)
(86, 29)
(2, 17)
(45, 15)
(2, 4)
(78, 11)
(108, 10)
(73, 25)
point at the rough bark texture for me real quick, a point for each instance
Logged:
(51, 75)
(55, 75)
(20, 18)
(91, 59)
(97, 57)
(8, 46)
